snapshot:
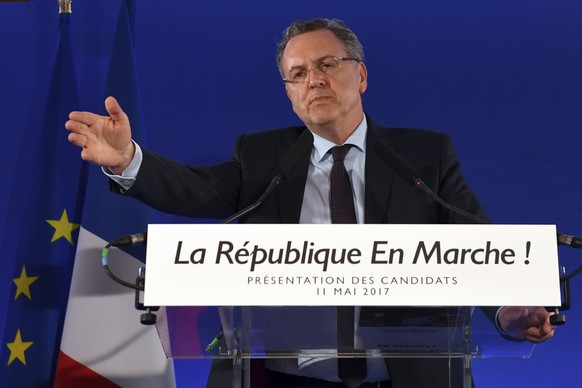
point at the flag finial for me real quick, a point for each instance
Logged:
(65, 6)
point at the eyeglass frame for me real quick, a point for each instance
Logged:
(339, 60)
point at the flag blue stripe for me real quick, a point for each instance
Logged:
(50, 180)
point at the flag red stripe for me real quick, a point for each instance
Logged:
(72, 374)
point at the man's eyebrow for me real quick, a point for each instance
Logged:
(318, 60)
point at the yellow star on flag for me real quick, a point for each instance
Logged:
(63, 228)
(23, 283)
(17, 348)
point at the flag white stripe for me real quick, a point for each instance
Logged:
(102, 328)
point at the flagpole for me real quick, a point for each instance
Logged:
(65, 6)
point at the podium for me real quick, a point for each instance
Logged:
(310, 332)
(283, 283)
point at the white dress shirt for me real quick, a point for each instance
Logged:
(316, 210)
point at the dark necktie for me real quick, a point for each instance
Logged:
(341, 196)
(352, 371)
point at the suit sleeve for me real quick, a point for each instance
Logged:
(198, 192)
(455, 191)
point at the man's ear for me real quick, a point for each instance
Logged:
(363, 77)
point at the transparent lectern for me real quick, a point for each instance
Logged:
(483, 262)
(453, 333)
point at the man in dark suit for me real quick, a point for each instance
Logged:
(321, 62)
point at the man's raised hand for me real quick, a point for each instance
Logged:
(105, 140)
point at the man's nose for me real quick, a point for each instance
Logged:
(316, 77)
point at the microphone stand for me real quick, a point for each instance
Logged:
(558, 318)
(410, 175)
(301, 146)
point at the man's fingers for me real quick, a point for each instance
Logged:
(539, 334)
(114, 109)
(87, 155)
(86, 118)
(77, 127)
(78, 140)
(539, 338)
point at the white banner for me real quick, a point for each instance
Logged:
(361, 265)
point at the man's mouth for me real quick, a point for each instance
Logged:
(318, 99)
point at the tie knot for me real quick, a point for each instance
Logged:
(339, 152)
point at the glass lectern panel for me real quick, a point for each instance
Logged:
(187, 332)
(243, 333)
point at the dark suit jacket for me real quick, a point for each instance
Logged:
(219, 191)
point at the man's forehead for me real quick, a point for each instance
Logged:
(295, 62)
(312, 46)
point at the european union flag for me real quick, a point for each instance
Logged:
(104, 344)
(43, 221)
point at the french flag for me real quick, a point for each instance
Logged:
(103, 342)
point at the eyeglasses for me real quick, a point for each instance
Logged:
(328, 67)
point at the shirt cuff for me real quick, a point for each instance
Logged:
(129, 175)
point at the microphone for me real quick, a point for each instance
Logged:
(571, 241)
(124, 241)
(400, 166)
(129, 240)
(298, 150)
(410, 175)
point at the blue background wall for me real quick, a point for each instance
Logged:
(502, 77)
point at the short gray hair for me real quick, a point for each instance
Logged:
(350, 40)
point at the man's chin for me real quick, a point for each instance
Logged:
(323, 118)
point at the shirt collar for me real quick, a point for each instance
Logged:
(357, 139)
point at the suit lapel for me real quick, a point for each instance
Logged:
(379, 177)
(290, 192)
(379, 180)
